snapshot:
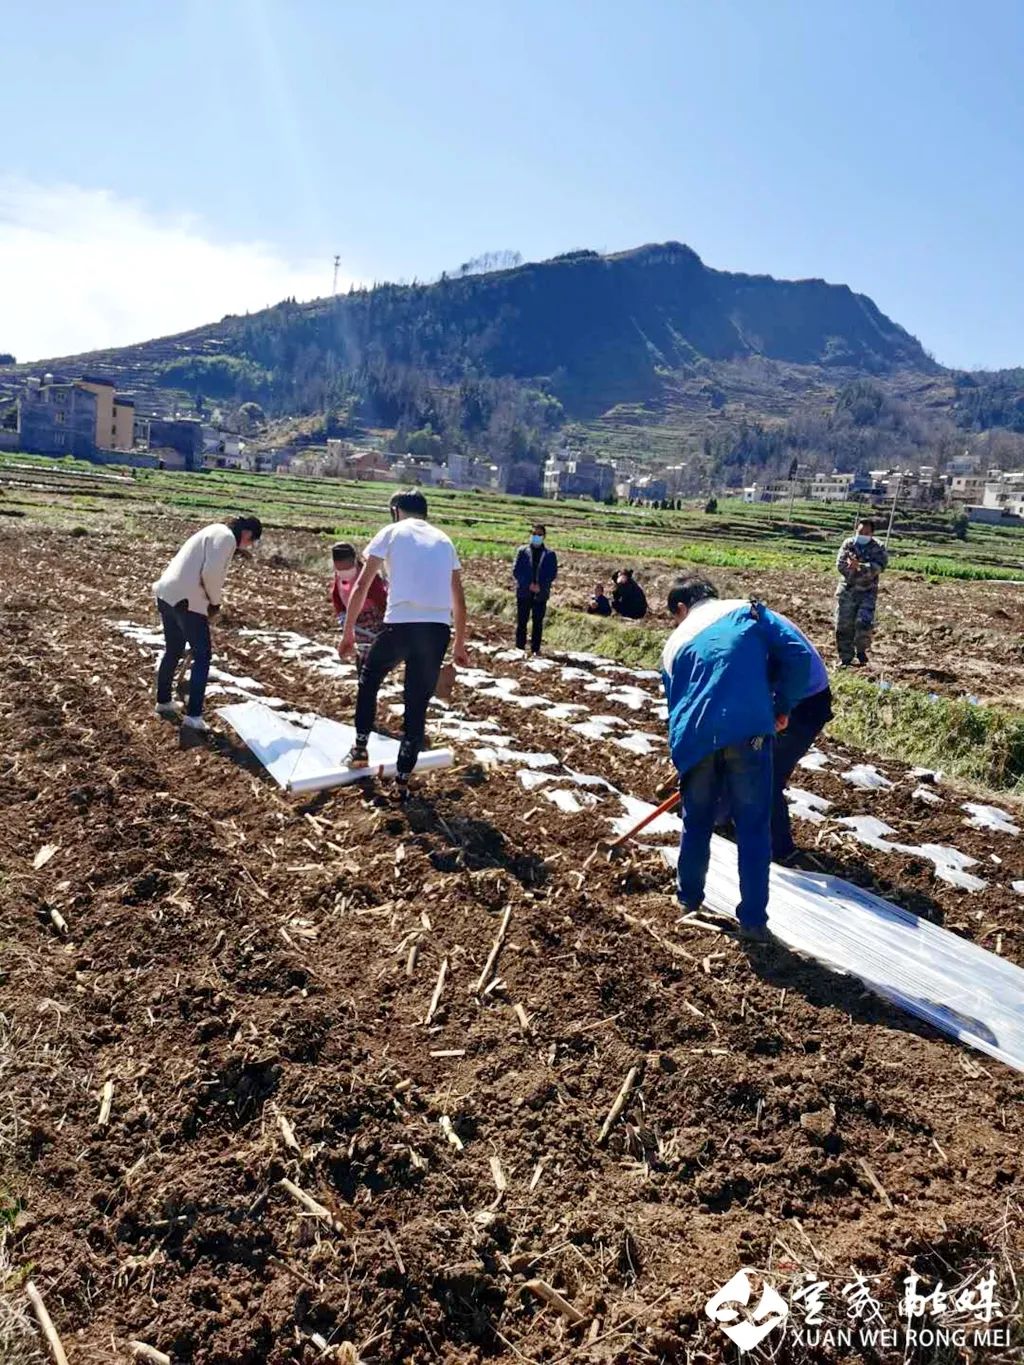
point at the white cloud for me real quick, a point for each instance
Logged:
(82, 269)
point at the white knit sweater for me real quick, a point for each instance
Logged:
(197, 572)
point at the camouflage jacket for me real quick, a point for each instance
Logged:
(860, 565)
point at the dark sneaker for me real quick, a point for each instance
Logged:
(402, 786)
(358, 756)
(754, 933)
(862, 658)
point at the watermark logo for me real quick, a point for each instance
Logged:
(730, 1310)
(812, 1312)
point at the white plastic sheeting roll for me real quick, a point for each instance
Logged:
(961, 989)
(306, 760)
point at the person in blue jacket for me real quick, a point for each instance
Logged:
(808, 718)
(534, 571)
(733, 671)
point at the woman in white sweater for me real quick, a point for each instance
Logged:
(188, 593)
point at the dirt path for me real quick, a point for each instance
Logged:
(235, 957)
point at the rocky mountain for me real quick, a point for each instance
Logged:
(648, 348)
(599, 329)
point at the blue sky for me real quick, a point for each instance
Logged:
(165, 163)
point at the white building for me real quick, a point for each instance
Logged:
(1004, 497)
(774, 490)
(968, 487)
(466, 471)
(417, 469)
(830, 487)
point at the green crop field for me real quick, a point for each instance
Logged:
(740, 536)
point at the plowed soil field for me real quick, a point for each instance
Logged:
(240, 1123)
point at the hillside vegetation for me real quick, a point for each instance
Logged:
(647, 353)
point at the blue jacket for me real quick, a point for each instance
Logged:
(729, 669)
(522, 570)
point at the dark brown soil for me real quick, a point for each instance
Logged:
(235, 957)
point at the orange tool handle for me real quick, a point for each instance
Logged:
(648, 819)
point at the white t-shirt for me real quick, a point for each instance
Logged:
(420, 561)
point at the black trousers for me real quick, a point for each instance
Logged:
(184, 628)
(421, 646)
(806, 722)
(535, 605)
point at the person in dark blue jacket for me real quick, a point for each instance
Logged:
(534, 571)
(732, 672)
(808, 718)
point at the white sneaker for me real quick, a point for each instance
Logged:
(168, 710)
(195, 723)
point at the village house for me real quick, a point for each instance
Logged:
(578, 476)
(79, 417)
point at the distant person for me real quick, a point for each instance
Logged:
(599, 604)
(347, 565)
(534, 570)
(628, 597)
(807, 719)
(188, 593)
(424, 593)
(860, 562)
(732, 671)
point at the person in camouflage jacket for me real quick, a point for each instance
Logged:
(860, 562)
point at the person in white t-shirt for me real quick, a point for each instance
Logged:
(424, 595)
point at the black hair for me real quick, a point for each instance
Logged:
(411, 502)
(866, 521)
(538, 526)
(242, 524)
(343, 553)
(690, 589)
(626, 573)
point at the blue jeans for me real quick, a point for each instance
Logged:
(806, 722)
(742, 775)
(184, 628)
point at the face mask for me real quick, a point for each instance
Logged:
(536, 541)
(861, 540)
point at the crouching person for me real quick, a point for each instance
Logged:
(425, 594)
(732, 672)
(188, 593)
(370, 623)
